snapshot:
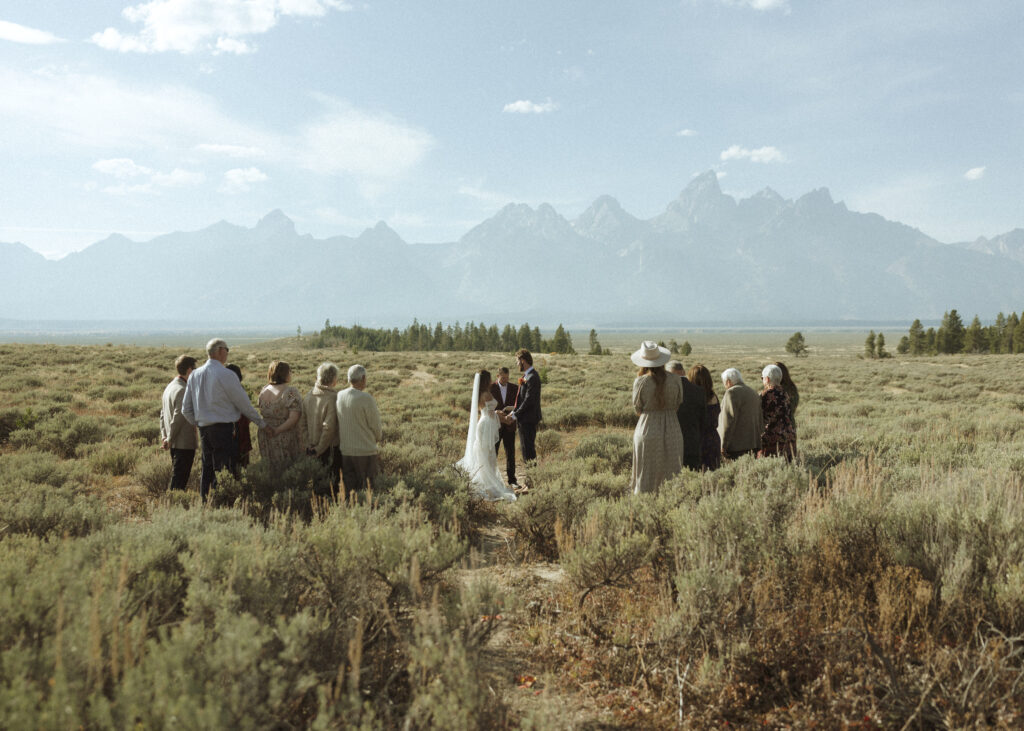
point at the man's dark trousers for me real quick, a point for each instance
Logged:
(181, 467)
(527, 437)
(220, 452)
(508, 439)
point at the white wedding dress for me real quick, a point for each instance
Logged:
(481, 459)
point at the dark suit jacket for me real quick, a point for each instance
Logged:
(692, 414)
(511, 391)
(527, 409)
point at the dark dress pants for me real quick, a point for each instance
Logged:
(331, 459)
(220, 452)
(527, 438)
(181, 467)
(508, 438)
(359, 471)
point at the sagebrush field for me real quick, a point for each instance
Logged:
(878, 582)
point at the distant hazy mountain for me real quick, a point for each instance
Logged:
(706, 258)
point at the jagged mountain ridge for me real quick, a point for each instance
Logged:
(707, 257)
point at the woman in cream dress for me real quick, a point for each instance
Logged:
(657, 439)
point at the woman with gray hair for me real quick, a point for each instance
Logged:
(779, 435)
(318, 409)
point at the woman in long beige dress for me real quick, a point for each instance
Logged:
(657, 439)
(281, 407)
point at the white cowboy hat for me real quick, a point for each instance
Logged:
(650, 355)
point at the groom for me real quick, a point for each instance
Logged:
(527, 411)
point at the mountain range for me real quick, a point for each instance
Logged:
(708, 258)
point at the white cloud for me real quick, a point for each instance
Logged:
(22, 34)
(686, 133)
(124, 168)
(121, 168)
(241, 180)
(347, 140)
(187, 26)
(231, 150)
(178, 178)
(525, 106)
(79, 113)
(233, 45)
(760, 4)
(975, 173)
(93, 111)
(761, 154)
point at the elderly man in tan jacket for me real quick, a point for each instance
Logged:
(740, 424)
(319, 409)
(359, 430)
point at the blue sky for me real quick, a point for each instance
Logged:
(173, 114)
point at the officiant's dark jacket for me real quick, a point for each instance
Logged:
(692, 414)
(511, 390)
(528, 410)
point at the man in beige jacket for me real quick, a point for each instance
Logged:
(740, 424)
(320, 411)
(359, 430)
(176, 434)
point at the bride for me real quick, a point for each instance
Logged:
(481, 459)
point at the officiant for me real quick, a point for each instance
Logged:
(505, 394)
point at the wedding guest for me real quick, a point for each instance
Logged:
(779, 435)
(527, 413)
(214, 399)
(740, 422)
(691, 413)
(243, 439)
(321, 414)
(791, 390)
(710, 442)
(176, 434)
(359, 431)
(281, 406)
(505, 394)
(657, 438)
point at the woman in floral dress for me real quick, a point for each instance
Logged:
(281, 407)
(779, 435)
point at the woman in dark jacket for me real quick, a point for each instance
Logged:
(710, 442)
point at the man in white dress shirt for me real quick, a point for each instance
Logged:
(214, 399)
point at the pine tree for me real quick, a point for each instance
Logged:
(880, 351)
(1009, 334)
(950, 338)
(975, 338)
(796, 345)
(869, 345)
(917, 339)
(931, 341)
(561, 342)
(595, 345)
(673, 346)
(903, 347)
(1018, 336)
(685, 349)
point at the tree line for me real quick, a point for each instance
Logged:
(469, 337)
(1005, 335)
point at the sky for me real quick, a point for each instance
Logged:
(171, 115)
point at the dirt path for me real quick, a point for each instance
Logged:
(510, 673)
